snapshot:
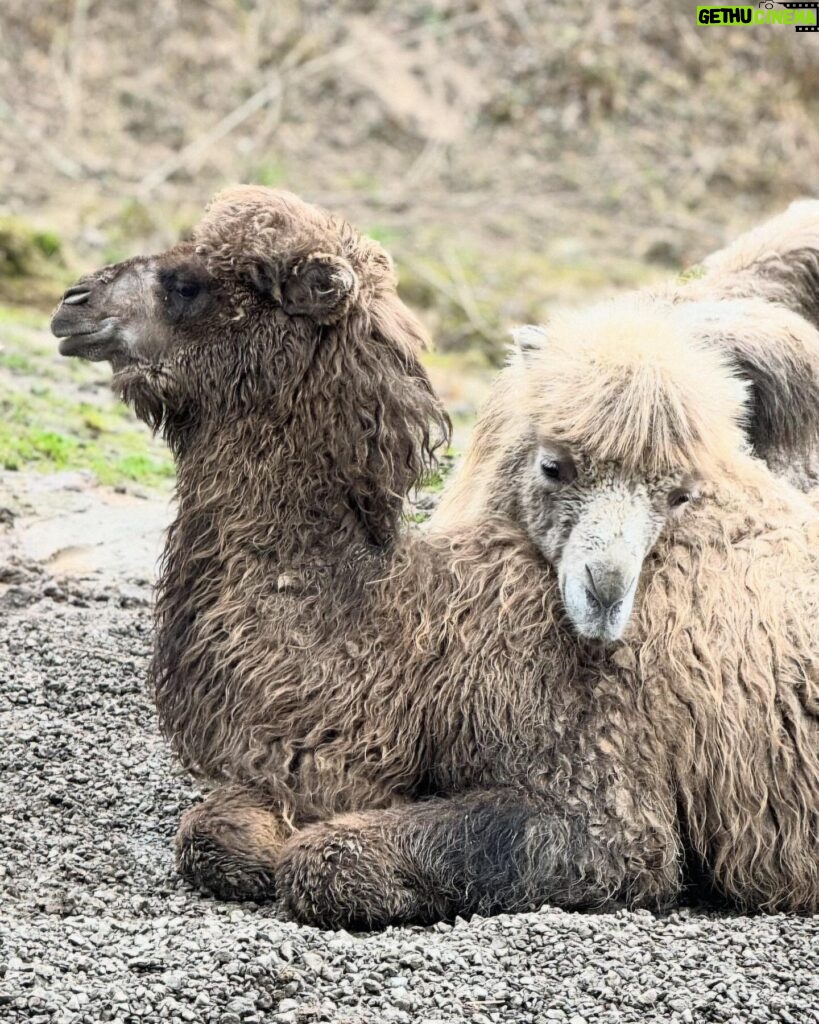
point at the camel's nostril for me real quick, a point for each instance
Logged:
(604, 588)
(76, 295)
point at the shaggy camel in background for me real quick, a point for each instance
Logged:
(772, 268)
(624, 461)
(312, 657)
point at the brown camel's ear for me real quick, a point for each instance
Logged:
(322, 286)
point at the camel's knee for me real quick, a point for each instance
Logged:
(342, 874)
(228, 846)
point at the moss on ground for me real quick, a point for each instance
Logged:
(40, 430)
(58, 414)
(33, 269)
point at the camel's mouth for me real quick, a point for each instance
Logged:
(84, 340)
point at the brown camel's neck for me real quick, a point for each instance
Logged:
(246, 490)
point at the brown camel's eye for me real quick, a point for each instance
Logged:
(184, 292)
(187, 289)
(550, 469)
(679, 498)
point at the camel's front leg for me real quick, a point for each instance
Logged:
(482, 852)
(229, 845)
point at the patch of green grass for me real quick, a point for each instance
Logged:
(140, 468)
(25, 250)
(692, 273)
(19, 316)
(25, 355)
(49, 431)
(48, 444)
(113, 458)
(383, 233)
(271, 174)
(434, 480)
(32, 267)
(93, 418)
(18, 363)
(49, 244)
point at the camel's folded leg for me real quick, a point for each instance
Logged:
(481, 852)
(229, 845)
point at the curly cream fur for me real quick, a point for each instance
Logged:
(777, 261)
(758, 301)
(722, 657)
(764, 288)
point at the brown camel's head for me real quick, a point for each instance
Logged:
(257, 252)
(276, 311)
(136, 312)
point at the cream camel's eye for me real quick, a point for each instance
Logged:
(555, 467)
(679, 498)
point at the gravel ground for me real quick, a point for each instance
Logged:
(94, 926)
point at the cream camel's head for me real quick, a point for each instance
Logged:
(602, 434)
(627, 418)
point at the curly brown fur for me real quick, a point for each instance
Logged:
(310, 656)
(228, 845)
(313, 659)
(504, 849)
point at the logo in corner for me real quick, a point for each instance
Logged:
(803, 16)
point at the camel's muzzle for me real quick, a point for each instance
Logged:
(83, 330)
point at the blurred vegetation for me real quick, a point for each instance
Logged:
(510, 154)
(32, 268)
(513, 156)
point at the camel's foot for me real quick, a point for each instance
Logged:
(489, 851)
(340, 874)
(228, 846)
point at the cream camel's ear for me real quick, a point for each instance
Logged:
(529, 340)
(322, 286)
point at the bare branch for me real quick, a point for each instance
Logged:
(275, 88)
